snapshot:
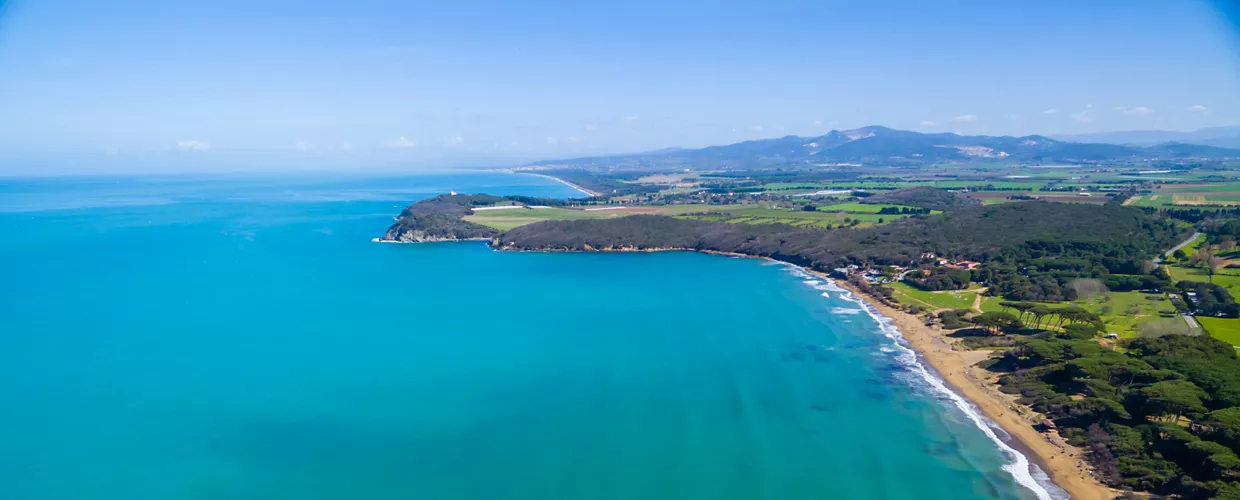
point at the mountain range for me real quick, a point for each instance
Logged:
(882, 145)
(1223, 137)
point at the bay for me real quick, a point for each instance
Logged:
(241, 337)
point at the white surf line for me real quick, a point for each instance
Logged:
(1021, 469)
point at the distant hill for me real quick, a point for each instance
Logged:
(882, 145)
(1222, 137)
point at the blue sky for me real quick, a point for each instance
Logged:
(115, 85)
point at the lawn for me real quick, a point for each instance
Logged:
(961, 299)
(1225, 329)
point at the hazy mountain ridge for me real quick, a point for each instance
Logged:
(877, 144)
(1222, 137)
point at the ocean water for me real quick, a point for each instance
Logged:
(240, 337)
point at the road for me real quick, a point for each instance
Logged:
(1177, 247)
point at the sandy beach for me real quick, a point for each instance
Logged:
(580, 189)
(1064, 464)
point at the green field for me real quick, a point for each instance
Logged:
(1204, 195)
(1189, 250)
(991, 304)
(504, 220)
(1225, 329)
(1123, 311)
(961, 299)
(1155, 200)
(758, 214)
(1227, 278)
(828, 215)
(999, 183)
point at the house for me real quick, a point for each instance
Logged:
(965, 264)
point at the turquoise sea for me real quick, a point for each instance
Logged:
(241, 337)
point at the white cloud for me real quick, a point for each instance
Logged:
(1134, 110)
(553, 141)
(1015, 117)
(1050, 111)
(630, 118)
(301, 146)
(193, 145)
(1197, 108)
(756, 128)
(574, 140)
(453, 141)
(965, 118)
(928, 123)
(817, 123)
(346, 146)
(1084, 115)
(403, 143)
(779, 128)
(590, 127)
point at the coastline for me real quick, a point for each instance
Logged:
(580, 189)
(1063, 464)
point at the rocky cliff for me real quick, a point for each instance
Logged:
(441, 219)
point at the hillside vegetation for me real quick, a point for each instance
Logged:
(442, 217)
(1162, 417)
(983, 233)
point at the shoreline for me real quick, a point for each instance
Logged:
(1063, 464)
(580, 189)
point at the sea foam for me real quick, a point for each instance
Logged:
(1025, 473)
